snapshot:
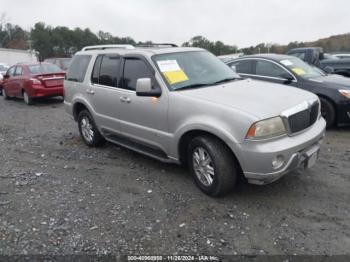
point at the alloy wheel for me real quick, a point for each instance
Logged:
(87, 129)
(203, 166)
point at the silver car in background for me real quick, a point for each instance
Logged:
(184, 105)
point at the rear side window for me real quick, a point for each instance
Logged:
(11, 71)
(133, 70)
(96, 71)
(19, 71)
(106, 70)
(78, 67)
(242, 67)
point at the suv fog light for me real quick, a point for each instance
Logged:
(278, 162)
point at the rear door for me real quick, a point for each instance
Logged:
(18, 81)
(105, 91)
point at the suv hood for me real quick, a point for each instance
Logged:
(258, 98)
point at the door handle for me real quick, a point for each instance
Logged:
(90, 91)
(125, 99)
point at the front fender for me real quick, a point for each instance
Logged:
(209, 125)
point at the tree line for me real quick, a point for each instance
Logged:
(62, 41)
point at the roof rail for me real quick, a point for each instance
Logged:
(103, 47)
(157, 45)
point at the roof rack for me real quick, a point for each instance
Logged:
(103, 47)
(157, 45)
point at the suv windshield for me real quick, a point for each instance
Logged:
(301, 68)
(44, 69)
(192, 69)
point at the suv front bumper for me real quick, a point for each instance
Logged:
(300, 151)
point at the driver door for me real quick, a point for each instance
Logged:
(142, 118)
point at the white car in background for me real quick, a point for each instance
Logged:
(3, 70)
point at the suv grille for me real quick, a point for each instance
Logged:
(303, 119)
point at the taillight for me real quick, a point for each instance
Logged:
(35, 81)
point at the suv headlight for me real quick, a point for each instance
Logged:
(345, 93)
(267, 128)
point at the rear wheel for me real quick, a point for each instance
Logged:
(4, 94)
(88, 130)
(328, 111)
(213, 166)
(27, 99)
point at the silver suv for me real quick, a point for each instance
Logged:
(183, 105)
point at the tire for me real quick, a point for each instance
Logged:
(27, 99)
(222, 167)
(88, 130)
(4, 94)
(328, 111)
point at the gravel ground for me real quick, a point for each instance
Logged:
(58, 196)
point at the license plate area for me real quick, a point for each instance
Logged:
(311, 156)
(311, 161)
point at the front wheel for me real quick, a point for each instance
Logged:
(328, 111)
(88, 130)
(214, 168)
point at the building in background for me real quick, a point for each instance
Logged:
(14, 56)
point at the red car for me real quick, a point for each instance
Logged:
(33, 80)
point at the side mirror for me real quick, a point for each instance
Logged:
(234, 68)
(287, 77)
(329, 70)
(144, 88)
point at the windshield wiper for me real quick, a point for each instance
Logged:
(225, 80)
(193, 86)
(208, 84)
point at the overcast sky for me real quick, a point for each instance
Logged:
(239, 22)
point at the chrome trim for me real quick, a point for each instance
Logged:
(306, 105)
(52, 78)
(113, 88)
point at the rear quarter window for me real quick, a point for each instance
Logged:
(77, 68)
(242, 67)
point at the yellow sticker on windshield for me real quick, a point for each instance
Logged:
(174, 77)
(299, 71)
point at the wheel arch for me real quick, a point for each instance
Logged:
(78, 106)
(190, 134)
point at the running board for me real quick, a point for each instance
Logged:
(137, 147)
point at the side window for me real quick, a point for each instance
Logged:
(133, 70)
(11, 71)
(266, 68)
(242, 67)
(109, 70)
(18, 71)
(96, 71)
(78, 67)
